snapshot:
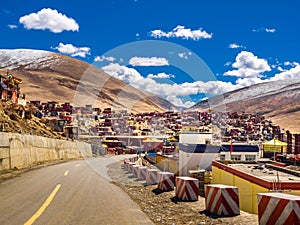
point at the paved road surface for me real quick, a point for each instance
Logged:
(72, 193)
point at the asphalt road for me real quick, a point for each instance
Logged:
(77, 192)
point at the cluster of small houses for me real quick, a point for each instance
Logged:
(9, 88)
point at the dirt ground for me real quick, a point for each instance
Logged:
(19, 119)
(165, 208)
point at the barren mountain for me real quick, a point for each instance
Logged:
(277, 100)
(49, 76)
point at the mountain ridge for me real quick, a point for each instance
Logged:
(49, 76)
(276, 100)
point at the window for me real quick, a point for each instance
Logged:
(250, 157)
(222, 157)
(236, 157)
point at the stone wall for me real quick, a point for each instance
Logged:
(21, 151)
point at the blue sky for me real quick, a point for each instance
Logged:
(181, 50)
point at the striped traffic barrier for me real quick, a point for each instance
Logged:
(133, 159)
(130, 167)
(187, 188)
(135, 169)
(278, 208)
(222, 200)
(166, 181)
(142, 170)
(151, 176)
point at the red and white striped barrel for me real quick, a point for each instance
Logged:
(222, 200)
(278, 208)
(133, 159)
(142, 170)
(135, 169)
(166, 181)
(151, 176)
(187, 188)
(130, 167)
(126, 161)
(125, 165)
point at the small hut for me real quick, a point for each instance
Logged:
(272, 147)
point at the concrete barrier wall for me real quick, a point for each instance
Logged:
(21, 151)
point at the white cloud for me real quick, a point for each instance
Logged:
(292, 64)
(49, 19)
(146, 61)
(244, 82)
(184, 55)
(248, 66)
(235, 46)
(262, 29)
(70, 49)
(12, 26)
(272, 30)
(161, 76)
(128, 75)
(280, 68)
(293, 73)
(227, 63)
(178, 102)
(182, 32)
(104, 58)
(169, 91)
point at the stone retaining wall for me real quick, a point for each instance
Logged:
(21, 151)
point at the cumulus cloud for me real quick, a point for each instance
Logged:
(70, 49)
(12, 26)
(128, 75)
(49, 19)
(293, 73)
(148, 61)
(178, 102)
(169, 91)
(182, 32)
(104, 58)
(161, 76)
(248, 66)
(244, 82)
(235, 46)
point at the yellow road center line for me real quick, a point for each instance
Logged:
(66, 173)
(44, 206)
(77, 165)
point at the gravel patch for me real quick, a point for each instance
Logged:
(165, 208)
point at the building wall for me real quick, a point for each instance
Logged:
(242, 154)
(21, 151)
(190, 161)
(247, 189)
(165, 163)
(194, 138)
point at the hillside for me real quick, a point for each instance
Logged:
(19, 119)
(49, 76)
(277, 100)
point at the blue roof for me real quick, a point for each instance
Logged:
(203, 148)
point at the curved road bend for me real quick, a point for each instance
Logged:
(69, 193)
